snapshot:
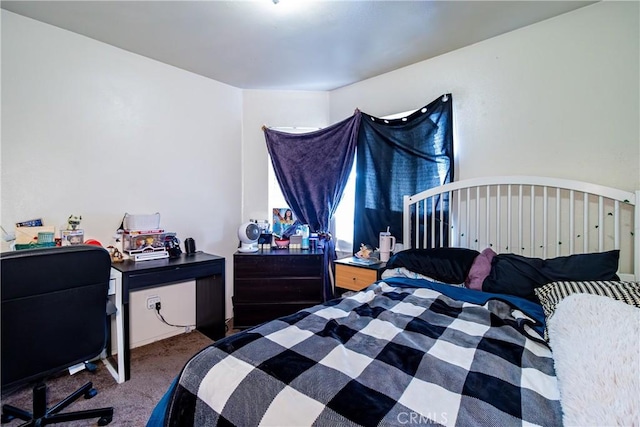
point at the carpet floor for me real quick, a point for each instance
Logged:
(153, 368)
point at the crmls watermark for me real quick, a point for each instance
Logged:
(415, 418)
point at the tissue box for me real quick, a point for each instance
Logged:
(141, 222)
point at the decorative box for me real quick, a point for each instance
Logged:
(71, 237)
(140, 241)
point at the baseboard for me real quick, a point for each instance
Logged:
(153, 339)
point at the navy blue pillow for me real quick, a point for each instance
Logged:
(447, 265)
(518, 275)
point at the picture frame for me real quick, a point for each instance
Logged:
(283, 218)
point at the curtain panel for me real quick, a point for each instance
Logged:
(312, 170)
(396, 158)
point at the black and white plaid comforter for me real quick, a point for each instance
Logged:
(389, 355)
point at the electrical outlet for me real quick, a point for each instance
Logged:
(151, 302)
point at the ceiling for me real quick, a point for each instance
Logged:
(290, 44)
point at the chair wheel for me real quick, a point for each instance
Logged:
(6, 418)
(91, 367)
(90, 393)
(104, 421)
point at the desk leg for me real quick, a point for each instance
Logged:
(116, 371)
(121, 372)
(126, 352)
(120, 341)
(210, 306)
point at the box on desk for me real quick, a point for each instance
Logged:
(143, 241)
(71, 237)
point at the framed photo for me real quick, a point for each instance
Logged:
(282, 220)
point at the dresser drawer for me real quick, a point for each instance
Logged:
(248, 315)
(278, 289)
(354, 278)
(247, 267)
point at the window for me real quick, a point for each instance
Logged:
(342, 223)
(341, 227)
(343, 220)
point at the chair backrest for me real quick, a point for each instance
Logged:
(53, 310)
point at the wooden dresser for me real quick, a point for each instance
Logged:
(354, 277)
(273, 283)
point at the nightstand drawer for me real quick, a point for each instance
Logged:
(354, 278)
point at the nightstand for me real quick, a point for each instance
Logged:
(355, 276)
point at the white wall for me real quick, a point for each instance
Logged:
(557, 98)
(93, 130)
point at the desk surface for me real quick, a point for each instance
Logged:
(130, 266)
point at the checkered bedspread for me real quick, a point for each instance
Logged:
(389, 355)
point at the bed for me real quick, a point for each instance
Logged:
(461, 330)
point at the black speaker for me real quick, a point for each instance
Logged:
(189, 246)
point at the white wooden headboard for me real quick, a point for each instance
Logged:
(532, 216)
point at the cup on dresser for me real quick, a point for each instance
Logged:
(387, 244)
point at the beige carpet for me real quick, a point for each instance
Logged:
(153, 368)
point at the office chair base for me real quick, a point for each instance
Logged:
(42, 416)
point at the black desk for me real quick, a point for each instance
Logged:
(206, 269)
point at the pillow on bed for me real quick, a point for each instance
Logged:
(480, 269)
(518, 275)
(447, 265)
(552, 293)
(403, 272)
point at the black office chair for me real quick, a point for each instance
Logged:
(53, 317)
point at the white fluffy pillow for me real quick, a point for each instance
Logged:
(596, 349)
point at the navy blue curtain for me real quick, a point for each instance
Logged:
(312, 170)
(396, 158)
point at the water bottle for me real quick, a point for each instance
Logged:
(305, 236)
